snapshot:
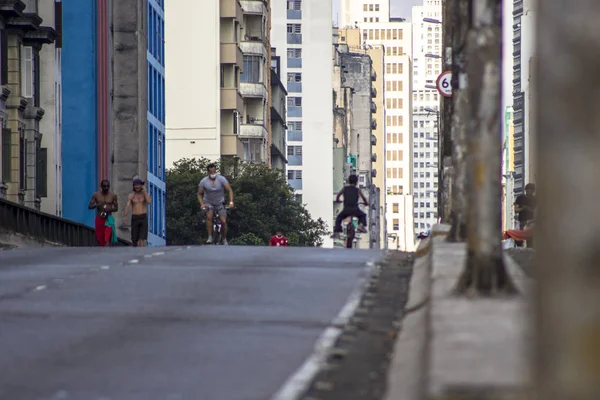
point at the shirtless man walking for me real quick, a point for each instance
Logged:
(105, 203)
(138, 200)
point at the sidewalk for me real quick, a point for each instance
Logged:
(458, 348)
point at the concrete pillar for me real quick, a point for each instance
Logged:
(129, 132)
(15, 105)
(567, 277)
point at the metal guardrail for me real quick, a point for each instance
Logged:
(49, 228)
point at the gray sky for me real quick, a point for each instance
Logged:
(399, 8)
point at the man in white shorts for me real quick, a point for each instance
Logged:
(211, 196)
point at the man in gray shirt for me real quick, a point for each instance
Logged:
(211, 196)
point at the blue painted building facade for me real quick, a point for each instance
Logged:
(156, 122)
(86, 68)
(80, 115)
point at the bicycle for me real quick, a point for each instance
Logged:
(350, 230)
(216, 233)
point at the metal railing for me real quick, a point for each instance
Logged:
(31, 223)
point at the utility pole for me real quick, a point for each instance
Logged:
(445, 136)
(461, 21)
(567, 270)
(485, 273)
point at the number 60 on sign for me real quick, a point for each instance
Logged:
(444, 84)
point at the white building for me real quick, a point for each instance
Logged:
(301, 32)
(427, 66)
(395, 35)
(217, 98)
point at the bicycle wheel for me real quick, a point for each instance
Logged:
(349, 235)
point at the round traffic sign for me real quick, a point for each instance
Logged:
(444, 83)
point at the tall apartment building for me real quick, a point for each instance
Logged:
(219, 102)
(278, 114)
(395, 36)
(354, 109)
(301, 29)
(523, 53)
(113, 105)
(352, 38)
(508, 171)
(30, 40)
(427, 66)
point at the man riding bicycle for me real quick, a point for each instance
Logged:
(352, 194)
(211, 197)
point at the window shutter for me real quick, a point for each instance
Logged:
(58, 24)
(4, 57)
(42, 175)
(6, 142)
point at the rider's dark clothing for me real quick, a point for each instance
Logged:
(351, 197)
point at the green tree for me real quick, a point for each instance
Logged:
(264, 203)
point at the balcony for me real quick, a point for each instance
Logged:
(294, 38)
(294, 160)
(373, 92)
(231, 9)
(373, 108)
(294, 87)
(373, 124)
(373, 75)
(257, 7)
(254, 47)
(294, 111)
(231, 99)
(255, 131)
(294, 63)
(231, 54)
(294, 14)
(231, 145)
(373, 140)
(253, 90)
(296, 184)
(294, 136)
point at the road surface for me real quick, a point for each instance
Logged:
(200, 323)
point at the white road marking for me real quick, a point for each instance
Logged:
(38, 288)
(134, 261)
(104, 267)
(298, 383)
(160, 253)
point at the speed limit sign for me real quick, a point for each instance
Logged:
(444, 83)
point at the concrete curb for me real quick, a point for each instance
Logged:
(450, 347)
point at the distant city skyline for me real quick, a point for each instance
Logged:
(398, 8)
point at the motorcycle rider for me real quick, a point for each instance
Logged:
(211, 197)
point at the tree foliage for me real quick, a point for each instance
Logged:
(264, 203)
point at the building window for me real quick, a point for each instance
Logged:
(294, 77)
(294, 28)
(395, 208)
(294, 53)
(295, 5)
(294, 101)
(252, 68)
(41, 175)
(396, 224)
(22, 162)
(27, 72)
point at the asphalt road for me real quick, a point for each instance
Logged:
(200, 323)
